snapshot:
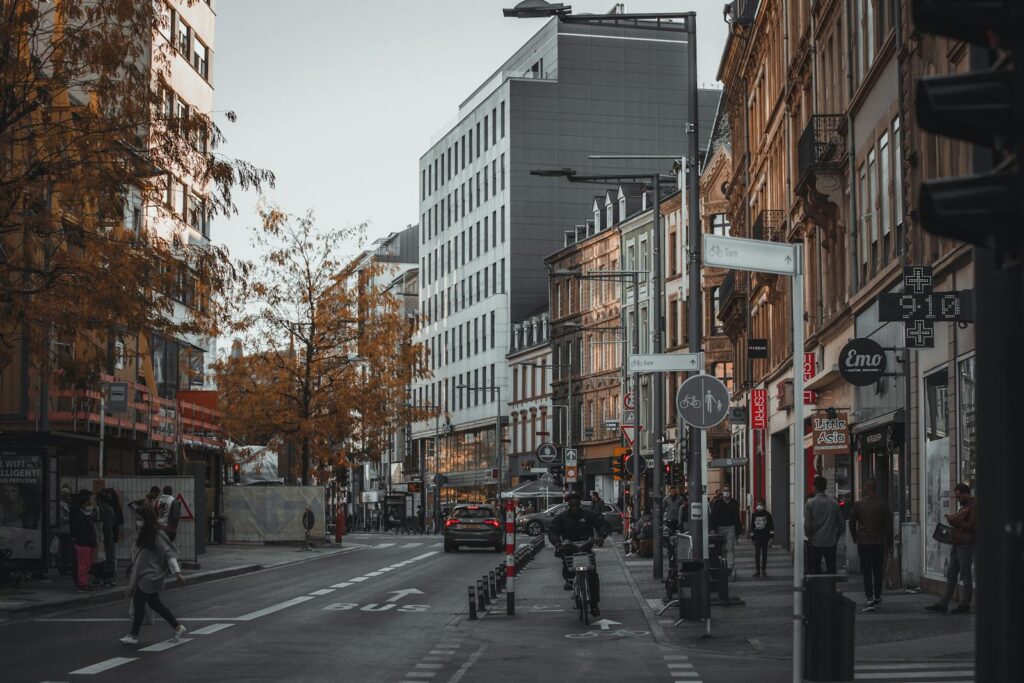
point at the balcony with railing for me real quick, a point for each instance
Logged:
(769, 225)
(821, 147)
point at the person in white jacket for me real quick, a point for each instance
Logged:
(155, 558)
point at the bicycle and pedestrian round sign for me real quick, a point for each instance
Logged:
(703, 401)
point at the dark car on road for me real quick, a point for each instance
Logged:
(475, 526)
(537, 523)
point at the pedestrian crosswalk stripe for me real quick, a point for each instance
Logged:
(103, 666)
(411, 545)
(212, 628)
(383, 545)
(679, 665)
(428, 666)
(165, 645)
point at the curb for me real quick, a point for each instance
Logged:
(660, 637)
(114, 595)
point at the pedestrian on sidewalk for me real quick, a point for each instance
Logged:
(104, 567)
(871, 530)
(673, 503)
(762, 528)
(823, 524)
(83, 535)
(961, 553)
(725, 516)
(155, 558)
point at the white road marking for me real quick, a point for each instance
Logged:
(165, 645)
(376, 573)
(469, 663)
(680, 665)
(442, 652)
(358, 579)
(910, 675)
(343, 584)
(428, 666)
(212, 628)
(105, 665)
(675, 656)
(322, 591)
(386, 569)
(273, 608)
(383, 545)
(421, 674)
(411, 545)
(423, 556)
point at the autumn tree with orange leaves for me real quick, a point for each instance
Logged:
(327, 350)
(94, 234)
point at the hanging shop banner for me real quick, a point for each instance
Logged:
(862, 362)
(810, 370)
(759, 409)
(21, 504)
(831, 434)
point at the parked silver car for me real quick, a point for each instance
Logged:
(537, 523)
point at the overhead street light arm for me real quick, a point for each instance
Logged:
(609, 179)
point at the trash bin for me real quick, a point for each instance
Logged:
(828, 630)
(694, 594)
(218, 525)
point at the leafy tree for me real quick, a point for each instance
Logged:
(93, 216)
(328, 355)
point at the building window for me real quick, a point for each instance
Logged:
(719, 224)
(487, 137)
(184, 37)
(201, 58)
(503, 120)
(492, 329)
(503, 225)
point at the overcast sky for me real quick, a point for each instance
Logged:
(340, 98)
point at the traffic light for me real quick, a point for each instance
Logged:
(618, 457)
(341, 476)
(236, 473)
(627, 462)
(979, 107)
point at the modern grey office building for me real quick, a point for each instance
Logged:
(486, 224)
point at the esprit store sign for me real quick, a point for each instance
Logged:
(862, 362)
(759, 409)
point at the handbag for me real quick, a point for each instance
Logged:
(943, 533)
(147, 617)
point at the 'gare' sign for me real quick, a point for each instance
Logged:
(862, 362)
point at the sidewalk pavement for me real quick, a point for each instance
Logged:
(56, 592)
(899, 630)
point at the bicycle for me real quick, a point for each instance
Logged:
(580, 561)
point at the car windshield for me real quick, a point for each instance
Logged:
(471, 511)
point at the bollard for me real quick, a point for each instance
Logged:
(483, 601)
(472, 605)
(491, 585)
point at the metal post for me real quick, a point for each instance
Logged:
(497, 442)
(437, 485)
(636, 395)
(799, 461)
(423, 471)
(568, 417)
(694, 309)
(103, 423)
(658, 409)
(510, 559)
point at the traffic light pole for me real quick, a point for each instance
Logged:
(658, 404)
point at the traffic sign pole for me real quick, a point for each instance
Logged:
(799, 461)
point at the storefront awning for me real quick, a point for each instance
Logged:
(534, 489)
(823, 379)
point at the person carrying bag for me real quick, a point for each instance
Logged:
(155, 558)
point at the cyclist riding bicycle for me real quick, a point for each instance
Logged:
(577, 524)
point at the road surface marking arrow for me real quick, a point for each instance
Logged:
(402, 593)
(605, 623)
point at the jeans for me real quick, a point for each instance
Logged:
(961, 561)
(828, 553)
(593, 582)
(730, 544)
(83, 554)
(761, 554)
(141, 599)
(871, 557)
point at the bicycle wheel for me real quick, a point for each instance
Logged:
(584, 598)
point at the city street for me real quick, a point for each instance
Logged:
(308, 621)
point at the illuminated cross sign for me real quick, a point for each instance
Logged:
(918, 307)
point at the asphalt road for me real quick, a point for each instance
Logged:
(391, 609)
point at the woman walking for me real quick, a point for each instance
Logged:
(155, 558)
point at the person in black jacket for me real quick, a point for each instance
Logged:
(725, 519)
(83, 535)
(577, 524)
(762, 528)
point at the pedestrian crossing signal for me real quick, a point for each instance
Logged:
(619, 456)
